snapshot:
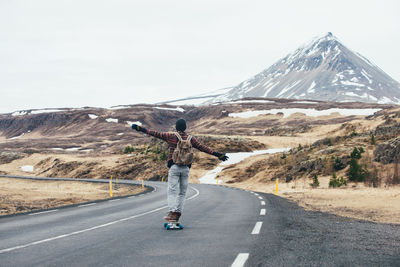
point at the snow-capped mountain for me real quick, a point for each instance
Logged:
(323, 69)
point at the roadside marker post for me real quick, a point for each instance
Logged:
(276, 186)
(142, 183)
(162, 179)
(217, 181)
(111, 192)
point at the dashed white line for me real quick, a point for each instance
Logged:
(260, 197)
(132, 197)
(256, 194)
(42, 212)
(263, 203)
(112, 200)
(86, 205)
(257, 228)
(263, 211)
(240, 260)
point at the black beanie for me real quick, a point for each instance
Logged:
(180, 125)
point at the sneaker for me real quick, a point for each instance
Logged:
(169, 217)
(177, 215)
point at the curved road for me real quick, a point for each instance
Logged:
(223, 227)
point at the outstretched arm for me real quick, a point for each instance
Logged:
(160, 135)
(203, 148)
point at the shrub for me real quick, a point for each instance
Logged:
(163, 156)
(335, 182)
(337, 164)
(357, 172)
(373, 141)
(128, 149)
(315, 182)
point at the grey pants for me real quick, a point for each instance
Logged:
(178, 179)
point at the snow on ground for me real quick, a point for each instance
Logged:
(312, 112)
(72, 149)
(120, 133)
(57, 149)
(352, 83)
(27, 168)
(192, 101)
(248, 101)
(19, 113)
(174, 109)
(385, 100)
(16, 137)
(93, 116)
(39, 111)
(118, 107)
(209, 177)
(134, 122)
(305, 102)
(112, 120)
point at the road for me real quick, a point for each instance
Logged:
(223, 227)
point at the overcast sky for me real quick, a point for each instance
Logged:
(76, 53)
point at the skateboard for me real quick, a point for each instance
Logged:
(173, 226)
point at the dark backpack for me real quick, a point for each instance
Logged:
(183, 153)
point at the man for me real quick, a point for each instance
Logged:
(178, 175)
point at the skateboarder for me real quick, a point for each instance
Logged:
(179, 162)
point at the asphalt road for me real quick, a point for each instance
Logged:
(223, 227)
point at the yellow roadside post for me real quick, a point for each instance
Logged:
(217, 181)
(111, 192)
(276, 186)
(162, 179)
(142, 183)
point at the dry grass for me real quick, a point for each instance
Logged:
(19, 195)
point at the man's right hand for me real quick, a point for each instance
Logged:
(138, 128)
(221, 156)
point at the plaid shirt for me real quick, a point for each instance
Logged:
(172, 141)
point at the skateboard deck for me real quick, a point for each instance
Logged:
(173, 226)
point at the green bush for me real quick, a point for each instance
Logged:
(335, 182)
(373, 141)
(315, 182)
(128, 149)
(163, 156)
(356, 172)
(337, 164)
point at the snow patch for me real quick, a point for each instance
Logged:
(311, 88)
(27, 168)
(40, 111)
(209, 177)
(19, 113)
(73, 149)
(174, 109)
(134, 122)
(16, 137)
(352, 83)
(93, 116)
(112, 120)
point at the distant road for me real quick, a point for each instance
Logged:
(223, 227)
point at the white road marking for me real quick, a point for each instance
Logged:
(42, 212)
(263, 211)
(240, 260)
(260, 197)
(256, 194)
(132, 197)
(263, 203)
(91, 228)
(257, 228)
(112, 200)
(86, 205)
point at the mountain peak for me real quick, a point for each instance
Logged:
(322, 69)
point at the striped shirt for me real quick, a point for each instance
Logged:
(172, 141)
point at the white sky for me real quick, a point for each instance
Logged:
(74, 53)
